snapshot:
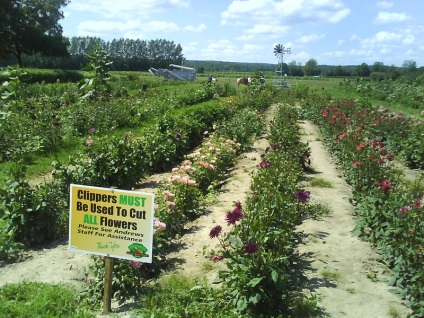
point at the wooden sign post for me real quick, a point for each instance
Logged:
(111, 223)
(107, 288)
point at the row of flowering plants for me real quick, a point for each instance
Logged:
(390, 211)
(181, 197)
(35, 119)
(258, 249)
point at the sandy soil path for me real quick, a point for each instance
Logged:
(342, 269)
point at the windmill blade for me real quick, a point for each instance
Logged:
(278, 49)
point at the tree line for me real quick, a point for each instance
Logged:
(31, 36)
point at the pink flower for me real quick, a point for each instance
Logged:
(417, 204)
(159, 224)
(404, 210)
(168, 195)
(170, 204)
(89, 141)
(136, 264)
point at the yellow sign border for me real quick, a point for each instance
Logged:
(111, 222)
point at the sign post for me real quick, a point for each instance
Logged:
(112, 223)
(107, 289)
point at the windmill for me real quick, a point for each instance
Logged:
(279, 51)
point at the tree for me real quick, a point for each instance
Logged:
(363, 70)
(379, 67)
(311, 68)
(30, 26)
(295, 69)
(409, 64)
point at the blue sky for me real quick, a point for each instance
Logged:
(334, 32)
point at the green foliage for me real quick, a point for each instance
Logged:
(32, 26)
(182, 296)
(96, 85)
(29, 217)
(300, 90)
(13, 89)
(9, 250)
(31, 299)
(259, 247)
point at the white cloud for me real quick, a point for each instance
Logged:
(222, 50)
(161, 26)
(384, 4)
(285, 12)
(131, 29)
(340, 42)
(197, 29)
(310, 38)
(354, 37)
(99, 28)
(128, 9)
(391, 17)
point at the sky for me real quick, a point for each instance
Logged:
(333, 32)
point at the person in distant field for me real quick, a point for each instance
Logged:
(209, 79)
(249, 80)
(262, 81)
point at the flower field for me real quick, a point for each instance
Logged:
(196, 133)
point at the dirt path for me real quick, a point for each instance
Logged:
(342, 269)
(328, 245)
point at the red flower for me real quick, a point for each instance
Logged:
(355, 163)
(417, 204)
(265, 164)
(217, 258)
(250, 248)
(215, 231)
(360, 146)
(385, 185)
(404, 210)
(233, 216)
(302, 196)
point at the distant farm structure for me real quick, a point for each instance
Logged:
(179, 72)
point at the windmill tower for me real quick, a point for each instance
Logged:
(279, 51)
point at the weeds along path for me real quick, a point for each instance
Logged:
(344, 272)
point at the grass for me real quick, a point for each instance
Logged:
(351, 290)
(30, 299)
(321, 183)
(207, 266)
(332, 276)
(183, 296)
(393, 312)
(317, 211)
